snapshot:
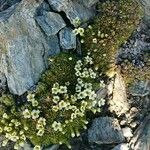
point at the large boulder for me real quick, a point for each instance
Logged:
(141, 138)
(105, 130)
(24, 47)
(119, 103)
(50, 23)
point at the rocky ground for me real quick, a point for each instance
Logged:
(124, 123)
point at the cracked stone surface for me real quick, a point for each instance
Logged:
(105, 130)
(72, 9)
(23, 48)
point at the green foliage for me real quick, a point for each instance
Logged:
(65, 112)
(132, 73)
(56, 110)
(7, 100)
(61, 70)
(110, 30)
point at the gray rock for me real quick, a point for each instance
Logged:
(79, 48)
(67, 39)
(53, 43)
(127, 132)
(43, 8)
(73, 9)
(5, 4)
(105, 130)
(141, 137)
(9, 146)
(4, 15)
(121, 147)
(50, 23)
(24, 48)
(89, 3)
(119, 103)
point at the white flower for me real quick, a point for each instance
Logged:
(39, 127)
(5, 116)
(67, 83)
(102, 84)
(57, 126)
(79, 80)
(26, 128)
(78, 73)
(81, 31)
(78, 88)
(85, 74)
(76, 21)
(99, 33)
(26, 113)
(88, 60)
(94, 102)
(37, 147)
(95, 40)
(79, 62)
(88, 86)
(70, 58)
(87, 92)
(63, 89)
(73, 116)
(75, 31)
(14, 138)
(93, 75)
(55, 90)
(101, 102)
(77, 68)
(21, 132)
(30, 97)
(42, 121)
(40, 133)
(56, 99)
(8, 129)
(16, 146)
(55, 108)
(62, 104)
(73, 98)
(82, 41)
(17, 123)
(35, 114)
(92, 95)
(90, 27)
(23, 137)
(35, 103)
(81, 95)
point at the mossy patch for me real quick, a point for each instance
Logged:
(61, 70)
(133, 73)
(110, 30)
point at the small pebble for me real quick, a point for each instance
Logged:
(133, 124)
(123, 122)
(127, 132)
